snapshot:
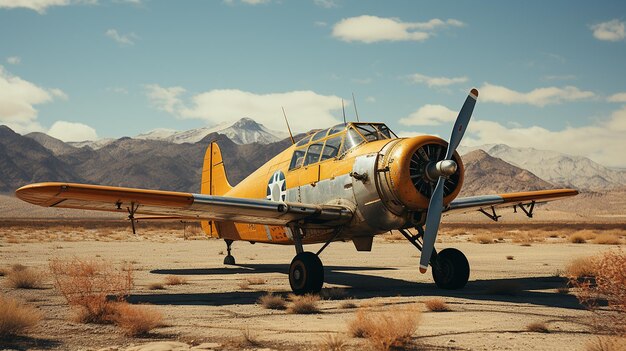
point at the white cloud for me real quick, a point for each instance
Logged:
(609, 31)
(306, 109)
(70, 131)
(602, 142)
(619, 97)
(371, 29)
(18, 99)
(124, 39)
(429, 115)
(370, 99)
(327, 4)
(41, 5)
(320, 24)
(14, 60)
(537, 97)
(436, 81)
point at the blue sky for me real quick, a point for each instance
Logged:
(551, 74)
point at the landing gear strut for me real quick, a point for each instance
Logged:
(450, 267)
(306, 272)
(229, 259)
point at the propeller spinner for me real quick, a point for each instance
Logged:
(440, 170)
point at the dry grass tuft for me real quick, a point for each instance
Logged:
(304, 304)
(136, 320)
(483, 239)
(347, 304)
(21, 277)
(255, 281)
(334, 293)
(608, 284)
(583, 267)
(607, 239)
(244, 285)
(437, 305)
(333, 342)
(249, 339)
(563, 290)
(87, 285)
(537, 327)
(272, 302)
(175, 280)
(606, 343)
(16, 318)
(386, 330)
(509, 288)
(156, 286)
(510, 258)
(577, 238)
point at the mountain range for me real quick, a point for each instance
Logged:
(173, 160)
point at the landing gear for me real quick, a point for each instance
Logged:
(229, 259)
(306, 274)
(451, 270)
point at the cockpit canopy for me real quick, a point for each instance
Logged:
(336, 141)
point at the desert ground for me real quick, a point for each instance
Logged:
(516, 280)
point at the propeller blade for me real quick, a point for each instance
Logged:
(433, 217)
(461, 123)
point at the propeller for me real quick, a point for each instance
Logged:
(440, 170)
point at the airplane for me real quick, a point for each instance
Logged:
(348, 182)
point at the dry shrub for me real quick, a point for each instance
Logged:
(577, 238)
(15, 317)
(538, 327)
(347, 304)
(509, 288)
(563, 290)
(582, 267)
(21, 277)
(156, 286)
(87, 285)
(333, 342)
(437, 305)
(483, 239)
(3, 272)
(244, 285)
(334, 293)
(175, 280)
(255, 281)
(272, 302)
(607, 239)
(303, 304)
(136, 320)
(249, 339)
(386, 330)
(393, 236)
(510, 258)
(608, 284)
(604, 343)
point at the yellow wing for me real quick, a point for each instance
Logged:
(482, 202)
(178, 204)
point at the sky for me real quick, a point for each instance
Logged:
(551, 74)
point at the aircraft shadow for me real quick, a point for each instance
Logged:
(362, 284)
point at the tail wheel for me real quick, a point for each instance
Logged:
(306, 274)
(452, 270)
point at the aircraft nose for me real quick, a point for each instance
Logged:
(444, 168)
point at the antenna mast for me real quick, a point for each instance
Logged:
(344, 112)
(355, 111)
(288, 128)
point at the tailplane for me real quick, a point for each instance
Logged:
(214, 181)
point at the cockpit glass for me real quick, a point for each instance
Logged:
(331, 148)
(336, 129)
(319, 135)
(352, 139)
(368, 131)
(313, 153)
(384, 130)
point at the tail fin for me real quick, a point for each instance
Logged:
(214, 181)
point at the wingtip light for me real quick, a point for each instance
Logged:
(423, 269)
(474, 93)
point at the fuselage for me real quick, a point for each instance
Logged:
(364, 167)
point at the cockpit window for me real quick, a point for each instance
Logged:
(384, 130)
(336, 129)
(297, 159)
(313, 153)
(319, 135)
(352, 139)
(368, 131)
(331, 148)
(304, 140)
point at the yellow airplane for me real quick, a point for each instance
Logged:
(348, 182)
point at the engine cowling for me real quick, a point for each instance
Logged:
(403, 177)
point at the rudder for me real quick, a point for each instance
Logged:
(214, 180)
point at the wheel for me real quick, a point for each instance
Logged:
(452, 271)
(229, 259)
(306, 274)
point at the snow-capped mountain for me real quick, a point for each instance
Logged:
(558, 168)
(244, 131)
(94, 144)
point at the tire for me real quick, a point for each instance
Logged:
(306, 274)
(229, 260)
(452, 270)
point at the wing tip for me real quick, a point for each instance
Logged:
(474, 93)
